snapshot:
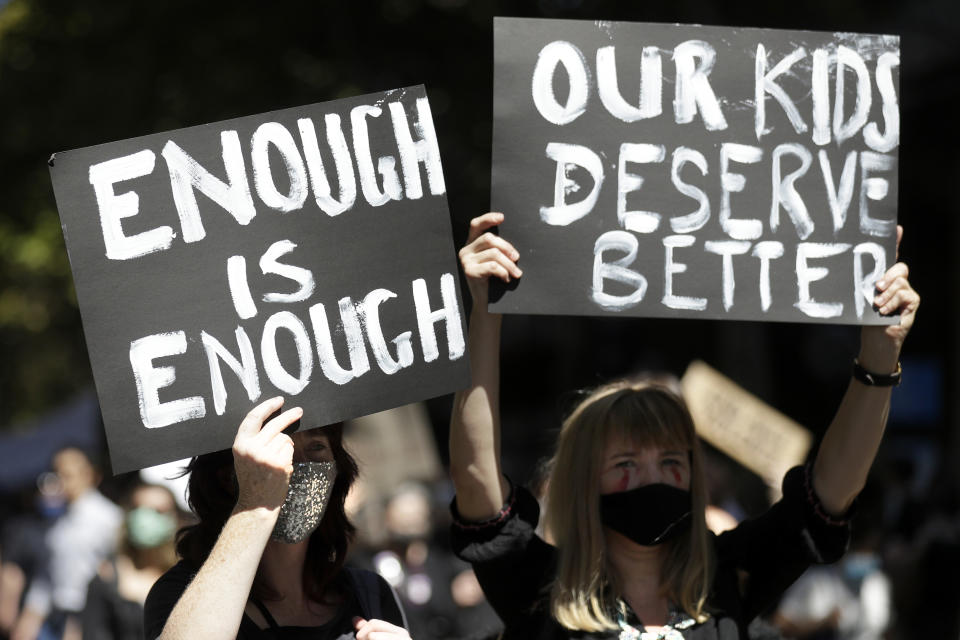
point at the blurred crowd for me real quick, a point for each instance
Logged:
(75, 563)
(896, 581)
(78, 556)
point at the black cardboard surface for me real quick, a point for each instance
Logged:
(556, 132)
(160, 294)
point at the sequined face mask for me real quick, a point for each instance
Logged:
(311, 484)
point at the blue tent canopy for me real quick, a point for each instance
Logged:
(26, 453)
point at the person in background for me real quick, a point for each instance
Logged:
(438, 590)
(115, 596)
(78, 542)
(23, 553)
(626, 500)
(849, 600)
(266, 558)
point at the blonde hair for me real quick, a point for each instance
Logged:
(648, 415)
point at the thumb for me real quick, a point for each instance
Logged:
(358, 622)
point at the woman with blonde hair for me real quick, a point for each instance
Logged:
(633, 558)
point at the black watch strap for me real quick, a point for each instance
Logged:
(872, 379)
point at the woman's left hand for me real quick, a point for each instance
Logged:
(378, 630)
(880, 345)
(850, 444)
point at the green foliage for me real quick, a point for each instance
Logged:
(81, 73)
(85, 72)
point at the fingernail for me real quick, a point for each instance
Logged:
(519, 272)
(882, 284)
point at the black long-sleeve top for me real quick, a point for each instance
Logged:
(755, 563)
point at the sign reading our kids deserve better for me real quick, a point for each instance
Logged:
(305, 253)
(692, 171)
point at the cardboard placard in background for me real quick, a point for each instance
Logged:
(692, 171)
(305, 252)
(741, 425)
(396, 452)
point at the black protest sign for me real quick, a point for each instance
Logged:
(305, 253)
(690, 171)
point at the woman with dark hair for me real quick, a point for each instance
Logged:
(115, 596)
(632, 556)
(266, 558)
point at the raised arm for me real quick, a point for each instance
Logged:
(851, 442)
(475, 423)
(212, 605)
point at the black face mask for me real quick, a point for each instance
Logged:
(648, 515)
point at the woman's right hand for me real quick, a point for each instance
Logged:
(263, 456)
(486, 254)
(213, 603)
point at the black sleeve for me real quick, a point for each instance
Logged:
(163, 597)
(772, 550)
(96, 619)
(513, 565)
(390, 608)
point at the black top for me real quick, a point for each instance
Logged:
(109, 616)
(756, 562)
(171, 585)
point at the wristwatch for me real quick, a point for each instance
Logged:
(872, 379)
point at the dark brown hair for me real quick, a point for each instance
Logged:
(213, 493)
